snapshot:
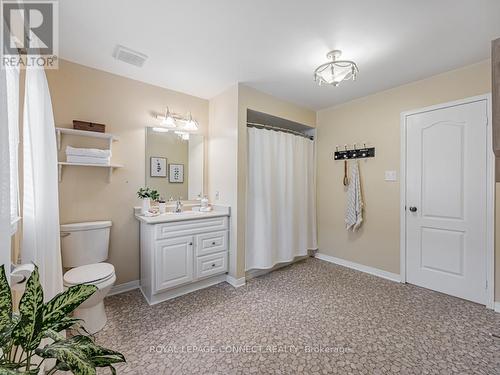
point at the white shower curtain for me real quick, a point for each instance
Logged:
(41, 243)
(281, 201)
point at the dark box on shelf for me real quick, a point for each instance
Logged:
(89, 126)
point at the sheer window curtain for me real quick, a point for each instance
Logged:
(5, 201)
(281, 198)
(12, 80)
(41, 242)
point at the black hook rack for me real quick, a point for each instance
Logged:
(355, 153)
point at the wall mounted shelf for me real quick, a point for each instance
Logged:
(110, 167)
(69, 131)
(60, 131)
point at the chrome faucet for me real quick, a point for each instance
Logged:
(178, 205)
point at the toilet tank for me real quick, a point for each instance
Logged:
(84, 243)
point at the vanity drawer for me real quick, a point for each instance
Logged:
(189, 227)
(209, 243)
(209, 265)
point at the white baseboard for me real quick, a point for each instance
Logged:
(235, 282)
(360, 267)
(122, 288)
(497, 307)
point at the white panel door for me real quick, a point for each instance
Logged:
(173, 262)
(446, 200)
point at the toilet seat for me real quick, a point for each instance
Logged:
(96, 273)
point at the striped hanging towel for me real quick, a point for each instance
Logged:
(354, 209)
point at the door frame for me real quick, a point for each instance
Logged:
(490, 191)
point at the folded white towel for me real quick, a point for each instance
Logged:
(92, 152)
(354, 209)
(87, 160)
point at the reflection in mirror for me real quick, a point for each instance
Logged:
(174, 164)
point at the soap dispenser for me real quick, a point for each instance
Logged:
(204, 204)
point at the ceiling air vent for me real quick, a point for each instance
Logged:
(129, 56)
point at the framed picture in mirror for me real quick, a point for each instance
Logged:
(158, 167)
(176, 173)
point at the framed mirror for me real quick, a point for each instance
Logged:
(174, 164)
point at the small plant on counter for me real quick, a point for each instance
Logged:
(145, 193)
(21, 334)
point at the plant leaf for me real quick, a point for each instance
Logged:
(64, 304)
(53, 335)
(27, 332)
(7, 371)
(5, 300)
(6, 333)
(69, 356)
(11, 371)
(65, 323)
(99, 356)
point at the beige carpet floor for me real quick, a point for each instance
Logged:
(312, 317)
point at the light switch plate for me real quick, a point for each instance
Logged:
(391, 176)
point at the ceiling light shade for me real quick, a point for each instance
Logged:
(191, 125)
(335, 71)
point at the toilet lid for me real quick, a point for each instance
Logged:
(90, 273)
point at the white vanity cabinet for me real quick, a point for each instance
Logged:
(183, 252)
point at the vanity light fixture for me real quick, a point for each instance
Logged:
(174, 121)
(335, 71)
(191, 125)
(168, 120)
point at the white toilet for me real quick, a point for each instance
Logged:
(84, 248)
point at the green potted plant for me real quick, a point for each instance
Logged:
(147, 195)
(21, 334)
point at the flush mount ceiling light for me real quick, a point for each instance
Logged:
(335, 71)
(173, 121)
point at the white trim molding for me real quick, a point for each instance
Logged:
(123, 288)
(235, 282)
(497, 307)
(359, 267)
(490, 193)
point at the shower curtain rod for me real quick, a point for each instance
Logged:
(256, 125)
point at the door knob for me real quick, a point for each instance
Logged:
(413, 209)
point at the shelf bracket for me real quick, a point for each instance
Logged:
(59, 172)
(58, 136)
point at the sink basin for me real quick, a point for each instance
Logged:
(182, 213)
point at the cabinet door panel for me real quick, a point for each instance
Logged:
(173, 262)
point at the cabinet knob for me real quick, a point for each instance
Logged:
(213, 264)
(190, 244)
(213, 243)
(413, 209)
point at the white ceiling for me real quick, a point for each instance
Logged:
(201, 47)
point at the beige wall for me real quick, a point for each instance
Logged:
(222, 145)
(126, 107)
(376, 120)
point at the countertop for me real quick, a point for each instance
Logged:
(168, 217)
